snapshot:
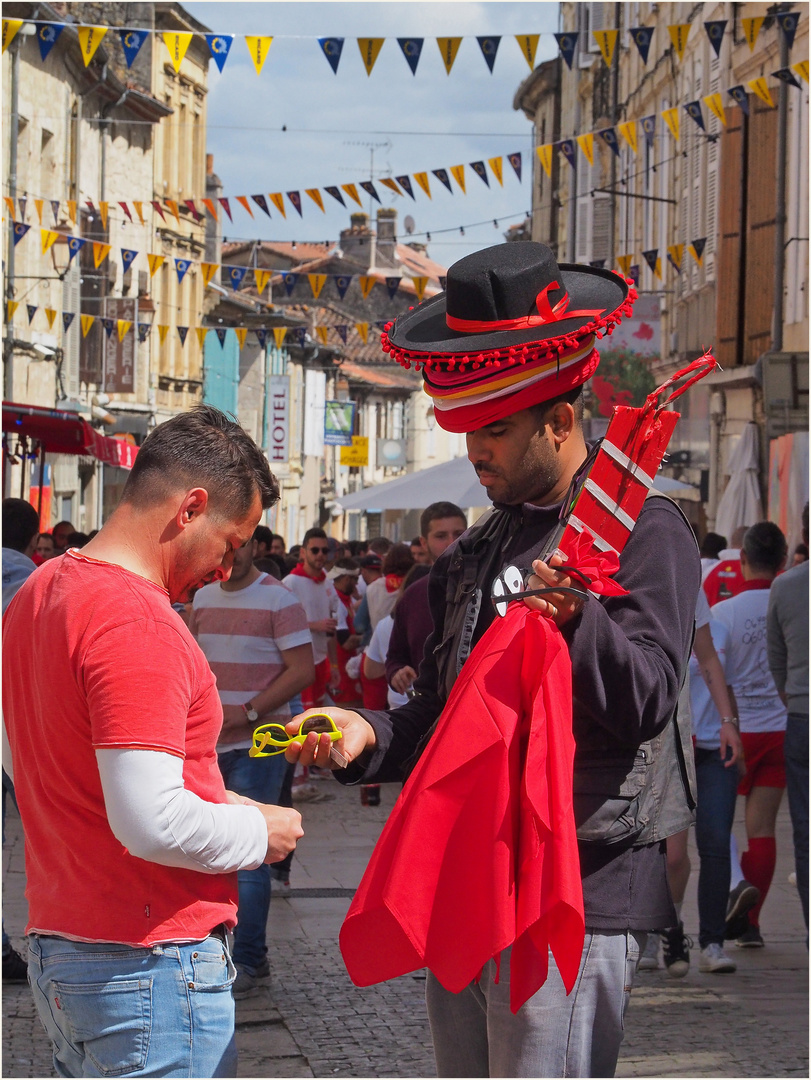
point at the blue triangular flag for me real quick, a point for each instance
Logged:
(381, 324)
(567, 43)
(290, 281)
(442, 176)
(20, 229)
(651, 258)
(480, 170)
(236, 275)
(261, 202)
(412, 47)
(342, 283)
(75, 245)
(261, 335)
(489, 48)
(568, 148)
(598, 264)
(715, 32)
(220, 332)
(405, 184)
(336, 194)
(393, 284)
(343, 331)
(67, 319)
(143, 331)
(786, 76)
(47, 33)
(698, 246)
(693, 110)
(181, 333)
(181, 265)
(642, 38)
(109, 326)
(787, 21)
(609, 137)
(332, 47)
(649, 128)
(299, 334)
(127, 255)
(295, 199)
(738, 93)
(633, 273)
(515, 161)
(32, 309)
(219, 46)
(55, 209)
(369, 188)
(131, 42)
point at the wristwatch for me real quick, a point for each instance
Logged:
(250, 712)
(731, 720)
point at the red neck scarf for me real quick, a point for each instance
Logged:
(299, 571)
(393, 582)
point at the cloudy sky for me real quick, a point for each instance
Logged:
(410, 123)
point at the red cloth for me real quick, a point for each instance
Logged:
(314, 695)
(723, 581)
(480, 851)
(299, 571)
(349, 689)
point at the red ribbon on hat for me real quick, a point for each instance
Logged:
(546, 315)
(598, 565)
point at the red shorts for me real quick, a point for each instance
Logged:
(765, 764)
(313, 696)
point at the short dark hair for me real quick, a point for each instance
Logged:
(712, 544)
(77, 540)
(379, 545)
(313, 534)
(572, 397)
(765, 546)
(20, 524)
(263, 534)
(398, 560)
(436, 511)
(202, 447)
(276, 536)
(268, 565)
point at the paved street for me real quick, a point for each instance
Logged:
(311, 1021)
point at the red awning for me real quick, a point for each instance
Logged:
(61, 432)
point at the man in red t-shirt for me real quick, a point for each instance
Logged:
(132, 843)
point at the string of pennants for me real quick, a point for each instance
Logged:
(675, 257)
(642, 36)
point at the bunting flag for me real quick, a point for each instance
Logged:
(607, 40)
(261, 335)
(369, 188)
(315, 195)
(652, 259)
(20, 229)
(181, 266)
(567, 43)
(751, 30)
(369, 51)
(693, 110)
(262, 203)
(696, 249)
(321, 333)
(86, 322)
(738, 93)
(210, 206)
(38, 206)
(671, 118)
(568, 147)
(261, 278)
(609, 137)
(47, 33)
(9, 205)
(50, 315)
(787, 21)
(277, 198)
(90, 38)
(458, 173)
(177, 44)
(279, 333)
(196, 213)
(528, 44)
(72, 210)
(317, 283)
(10, 28)
(236, 275)
(335, 193)
(143, 331)
(156, 206)
(123, 328)
(642, 37)
(175, 210)
(104, 208)
(331, 48)
(715, 104)
(109, 326)
(343, 332)
(514, 160)
(298, 334)
(367, 283)
(387, 181)
(11, 307)
(761, 88)
(784, 74)
(448, 47)
(715, 32)
(545, 157)
(342, 283)
(162, 332)
(48, 239)
(489, 48)
(32, 309)
(420, 285)
(22, 202)
(678, 35)
(155, 263)
(244, 203)
(624, 263)
(226, 207)
(221, 334)
(295, 199)
(127, 256)
(201, 332)
(363, 329)
(67, 319)
(633, 274)
(628, 132)
(55, 210)
(480, 170)
(442, 176)
(290, 281)
(412, 47)
(123, 206)
(241, 333)
(131, 42)
(259, 47)
(422, 180)
(392, 285)
(182, 331)
(496, 164)
(586, 144)
(219, 45)
(352, 192)
(675, 254)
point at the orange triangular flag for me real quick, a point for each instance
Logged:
(545, 156)
(458, 173)
(607, 40)
(261, 277)
(322, 332)
(162, 332)
(352, 192)
(211, 207)
(628, 132)
(258, 47)
(155, 263)
(11, 307)
(279, 333)
(10, 204)
(201, 332)
(241, 333)
(624, 263)
(317, 283)
(528, 44)
(103, 208)
(139, 210)
(72, 210)
(177, 44)
(363, 329)
(761, 88)
(391, 184)
(420, 284)
(173, 208)
(48, 239)
(422, 180)
(315, 195)
(367, 283)
(123, 328)
(89, 40)
(678, 35)
(495, 164)
(716, 106)
(801, 67)
(209, 270)
(86, 321)
(39, 203)
(369, 51)
(277, 199)
(751, 29)
(243, 201)
(449, 47)
(50, 315)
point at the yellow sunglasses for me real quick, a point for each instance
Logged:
(276, 736)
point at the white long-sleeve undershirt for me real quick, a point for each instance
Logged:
(157, 818)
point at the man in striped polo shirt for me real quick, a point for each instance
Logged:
(254, 634)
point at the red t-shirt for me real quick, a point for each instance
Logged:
(95, 657)
(723, 581)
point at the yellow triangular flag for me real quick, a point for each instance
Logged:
(545, 157)
(123, 328)
(162, 332)
(201, 332)
(607, 40)
(751, 29)
(177, 45)
(10, 28)
(691, 248)
(139, 210)
(495, 164)
(258, 47)
(100, 253)
(10, 204)
(11, 307)
(528, 44)
(48, 239)
(801, 68)
(369, 50)
(678, 35)
(363, 329)
(155, 263)
(458, 173)
(715, 104)
(89, 40)
(422, 180)
(317, 283)
(86, 321)
(241, 333)
(315, 195)
(352, 192)
(624, 263)
(366, 282)
(103, 208)
(39, 203)
(174, 208)
(420, 285)
(277, 199)
(671, 118)
(658, 268)
(72, 210)
(761, 88)
(209, 270)
(50, 315)
(586, 144)
(628, 132)
(449, 47)
(322, 332)
(279, 333)
(392, 185)
(676, 253)
(261, 277)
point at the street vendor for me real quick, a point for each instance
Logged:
(504, 354)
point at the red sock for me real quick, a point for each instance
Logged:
(757, 865)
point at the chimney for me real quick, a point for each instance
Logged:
(209, 164)
(357, 242)
(387, 237)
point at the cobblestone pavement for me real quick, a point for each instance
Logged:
(311, 1020)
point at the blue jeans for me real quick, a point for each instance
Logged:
(112, 1010)
(475, 1033)
(260, 779)
(795, 749)
(717, 789)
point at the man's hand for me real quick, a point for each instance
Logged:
(326, 626)
(283, 825)
(235, 724)
(560, 606)
(357, 735)
(402, 680)
(731, 740)
(351, 643)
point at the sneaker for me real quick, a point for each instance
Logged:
(750, 939)
(248, 980)
(310, 793)
(714, 960)
(15, 969)
(741, 901)
(649, 959)
(676, 951)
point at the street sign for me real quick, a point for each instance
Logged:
(357, 454)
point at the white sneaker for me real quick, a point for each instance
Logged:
(715, 961)
(649, 960)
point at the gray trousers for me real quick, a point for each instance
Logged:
(551, 1035)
